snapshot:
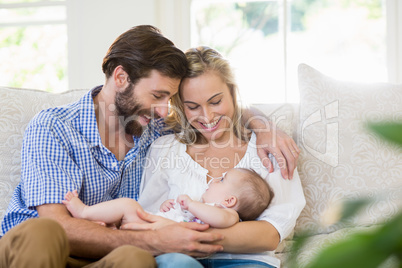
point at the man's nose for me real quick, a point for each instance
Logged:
(161, 110)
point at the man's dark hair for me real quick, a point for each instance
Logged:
(143, 49)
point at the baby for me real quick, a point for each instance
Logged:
(239, 194)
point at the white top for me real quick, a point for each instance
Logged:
(180, 215)
(169, 171)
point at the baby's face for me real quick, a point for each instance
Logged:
(219, 189)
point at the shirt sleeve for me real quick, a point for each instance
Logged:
(287, 204)
(48, 171)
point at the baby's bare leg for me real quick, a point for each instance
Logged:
(122, 209)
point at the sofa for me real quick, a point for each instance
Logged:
(341, 159)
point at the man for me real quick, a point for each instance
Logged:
(97, 146)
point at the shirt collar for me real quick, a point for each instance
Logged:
(89, 125)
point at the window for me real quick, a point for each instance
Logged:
(266, 40)
(33, 44)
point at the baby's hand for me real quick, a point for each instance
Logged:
(167, 205)
(184, 201)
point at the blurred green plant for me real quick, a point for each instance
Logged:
(13, 40)
(391, 131)
(362, 249)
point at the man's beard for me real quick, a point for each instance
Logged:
(128, 109)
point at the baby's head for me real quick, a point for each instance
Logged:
(242, 190)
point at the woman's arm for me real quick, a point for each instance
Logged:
(274, 224)
(248, 237)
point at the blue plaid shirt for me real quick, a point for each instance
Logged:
(62, 151)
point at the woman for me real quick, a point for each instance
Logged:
(210, 139)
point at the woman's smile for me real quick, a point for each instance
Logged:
(211, 126)
(208, 105)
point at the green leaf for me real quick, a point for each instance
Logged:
(391, 131)
(351, 207)
(367, 249)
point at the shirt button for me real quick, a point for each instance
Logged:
(114, 165)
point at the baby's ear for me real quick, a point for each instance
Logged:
(230, 201)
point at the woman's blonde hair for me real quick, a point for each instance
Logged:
(201, 60)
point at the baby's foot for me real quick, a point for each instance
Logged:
(74, 204)
(70, 195)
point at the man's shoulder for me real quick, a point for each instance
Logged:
(64, 113)
(56, 115)
(60, 120)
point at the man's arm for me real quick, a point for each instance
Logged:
(272, 140)
(90, 240)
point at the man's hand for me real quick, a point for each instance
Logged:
(281, 146)
(187, 238)
(112, 226)
(183, 237)
(151, 222)
(272, 140)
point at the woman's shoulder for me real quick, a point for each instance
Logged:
(169, 138)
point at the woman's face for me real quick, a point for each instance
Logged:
(208, 105)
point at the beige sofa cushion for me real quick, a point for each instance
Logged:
(18, 106)
(341, 159)
(283, 115)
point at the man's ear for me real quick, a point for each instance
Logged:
(230, 201)
(120, 77)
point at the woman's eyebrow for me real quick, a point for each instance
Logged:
(217, 94)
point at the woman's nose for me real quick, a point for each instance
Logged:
(208, 115)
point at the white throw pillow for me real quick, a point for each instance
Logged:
(18, 106)
(341, 159)
(283, 115)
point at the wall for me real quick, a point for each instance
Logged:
(394, 40)
(94, 24)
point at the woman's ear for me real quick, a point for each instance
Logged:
(230, 201)
(120, 77)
